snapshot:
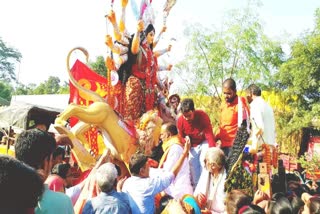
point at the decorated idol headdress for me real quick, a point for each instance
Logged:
(147, 13)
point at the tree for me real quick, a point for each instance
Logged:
(64, 89)
(50, 86)
(310, 163)
(5, 90)
(299, 80)
(239, 50)
(22, 89)
(8, 57)
(99, 66)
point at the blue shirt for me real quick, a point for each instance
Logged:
(54, 202)
(143, 190)
(112, 202)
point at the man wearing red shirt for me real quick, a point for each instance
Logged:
(231, 118)
(195, 125)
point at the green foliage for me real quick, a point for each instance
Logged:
(208, 104)
(8, 57)
(299, 80)
(22, 89)
(99, 66)
(242, 51)
(50, 86)
(239, 50)
(5, 90)
(310, 163)
(64, 89)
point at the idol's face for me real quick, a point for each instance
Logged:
(150, 37)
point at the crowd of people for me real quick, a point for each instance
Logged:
(189, 177)
(186, 172)
(191, 160)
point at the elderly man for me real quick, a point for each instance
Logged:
(108, 201)
(210, 191)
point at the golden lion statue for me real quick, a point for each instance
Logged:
(119, 138)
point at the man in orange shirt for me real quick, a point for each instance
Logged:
(234, 111)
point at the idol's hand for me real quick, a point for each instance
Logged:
(140, 26)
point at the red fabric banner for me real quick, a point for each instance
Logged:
(94, 82)
(89, 80)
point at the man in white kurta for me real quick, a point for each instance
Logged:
(262, 118)
(173, 149)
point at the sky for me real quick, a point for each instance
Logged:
(44, 31)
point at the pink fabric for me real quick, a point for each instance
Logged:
(55, 183)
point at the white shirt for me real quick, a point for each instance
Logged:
(181, 184)
(74, 192)
(213, 189)
(262, 117)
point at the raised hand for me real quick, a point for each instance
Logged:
(187, 139)
(259, 196)
(112, 17)
(124, 3)
(187, 145)
(140, 26)
(110, 63)
(163, 29)
(108, 41)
